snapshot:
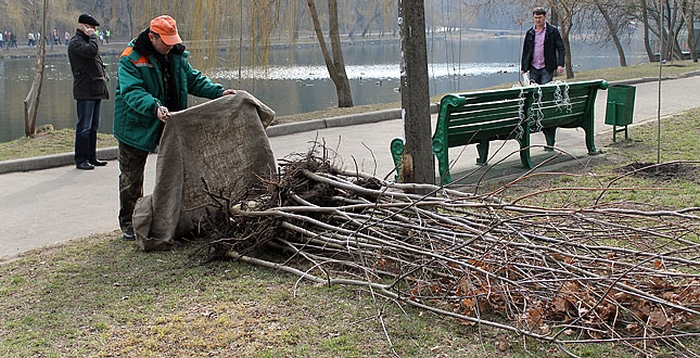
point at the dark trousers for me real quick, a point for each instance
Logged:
(132, 164)
(541, 76)
(86, 130)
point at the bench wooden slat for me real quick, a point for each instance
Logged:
(479, 118)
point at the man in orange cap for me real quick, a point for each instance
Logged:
(154, 78)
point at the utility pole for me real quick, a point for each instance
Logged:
(418, 163)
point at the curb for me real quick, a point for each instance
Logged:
(66, 159)
(50, 161)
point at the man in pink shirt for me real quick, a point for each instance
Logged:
(543, 50)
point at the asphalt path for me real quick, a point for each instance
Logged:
(55, 205)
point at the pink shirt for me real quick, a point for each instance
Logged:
(538, 54)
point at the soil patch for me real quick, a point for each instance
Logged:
(662, 172)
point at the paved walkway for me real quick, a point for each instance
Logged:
(48, 206)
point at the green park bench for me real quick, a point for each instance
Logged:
(481, 117)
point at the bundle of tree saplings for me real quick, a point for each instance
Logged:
(566, 276)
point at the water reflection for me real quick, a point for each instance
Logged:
(296, 80)
(361, 72)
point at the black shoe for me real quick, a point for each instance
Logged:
(129, 235)
(85, 166)
(97, 163)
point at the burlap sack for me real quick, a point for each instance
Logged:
(221, 143)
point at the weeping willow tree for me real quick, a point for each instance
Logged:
(212, 29)
(223, 31)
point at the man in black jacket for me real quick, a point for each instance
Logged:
(543, 50)
(89, 89)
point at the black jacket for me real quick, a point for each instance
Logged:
(89, 76)
(553, 49)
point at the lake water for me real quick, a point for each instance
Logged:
(296, 80)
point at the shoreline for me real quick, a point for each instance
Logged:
(115, 48)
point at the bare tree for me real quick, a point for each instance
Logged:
(334, 60)
(376, 17)
(645, 18)
(563, 12)
(613, 28)
(31, 103)
(687, 8)
(360, 20)
(666, 29)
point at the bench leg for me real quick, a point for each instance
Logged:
(550, 135)
(590, 141)
(525, 149)
(397, 148)
(443, 167)
(440, 152)
(525, 158)
(482, 149)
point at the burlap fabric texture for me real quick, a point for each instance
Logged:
(221, 144)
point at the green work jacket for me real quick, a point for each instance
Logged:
(140, 91)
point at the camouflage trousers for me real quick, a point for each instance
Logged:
(132, 164)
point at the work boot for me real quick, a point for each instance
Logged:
(129, 235)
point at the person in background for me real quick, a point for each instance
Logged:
(54, 37)
(89, 89)
(154, 78)
(543, 50)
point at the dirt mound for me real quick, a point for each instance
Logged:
(663, 172)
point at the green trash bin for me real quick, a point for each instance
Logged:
(620, 109)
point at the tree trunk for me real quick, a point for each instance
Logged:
(377, 17)
(359, 22)
(342, 84)
(31, 102)
(613, 29)
(691, 38)
(334, 63)
(418, 161)
(567, 50)
(562, 16)
(129, 19)
(645, 20)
